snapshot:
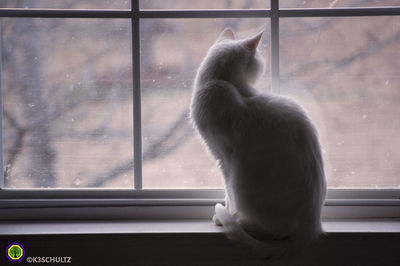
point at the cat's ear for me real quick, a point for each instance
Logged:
(226, 34)
(253, 42)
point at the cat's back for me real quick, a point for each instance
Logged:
(279, 151)
(279, 140)
(275, 108)
(278, 117)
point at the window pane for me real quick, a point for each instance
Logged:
(73, 4)
(204, 4)
(173, 155)
(336, 3)
(67, 98)
(346, 72)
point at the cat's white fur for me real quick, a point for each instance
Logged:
(267, 149)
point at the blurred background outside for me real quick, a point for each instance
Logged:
(68, 101)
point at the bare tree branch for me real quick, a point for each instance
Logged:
(369, 50)
(372, 48)
(177, 134)
(17, 147)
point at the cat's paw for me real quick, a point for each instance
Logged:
(216, 220)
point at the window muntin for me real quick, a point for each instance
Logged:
(189, 4)
(67, 102)
(67, 4)
(346, 73)
(336, 3)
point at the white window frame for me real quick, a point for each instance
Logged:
(192, 203)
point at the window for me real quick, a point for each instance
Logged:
(95, 99)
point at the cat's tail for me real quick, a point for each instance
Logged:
(265, 248)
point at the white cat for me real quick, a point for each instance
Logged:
(267, 149)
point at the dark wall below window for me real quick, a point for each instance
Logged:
(336, 249)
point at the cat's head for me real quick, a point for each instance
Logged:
(235, 58)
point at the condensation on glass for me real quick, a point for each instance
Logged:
(173, 154)
(190, 4)
(346, 72)
(67, 103)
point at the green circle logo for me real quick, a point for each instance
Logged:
(15, 252)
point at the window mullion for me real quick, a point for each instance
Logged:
(2, 181)
(137, 117)
(275, 75)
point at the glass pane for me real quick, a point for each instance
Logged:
(336, 3)
(203, 4)
(173, 154)
(67, 92)
(67, 4)
(346, 72)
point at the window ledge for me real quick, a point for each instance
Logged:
(199, 242)
(174, 226)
